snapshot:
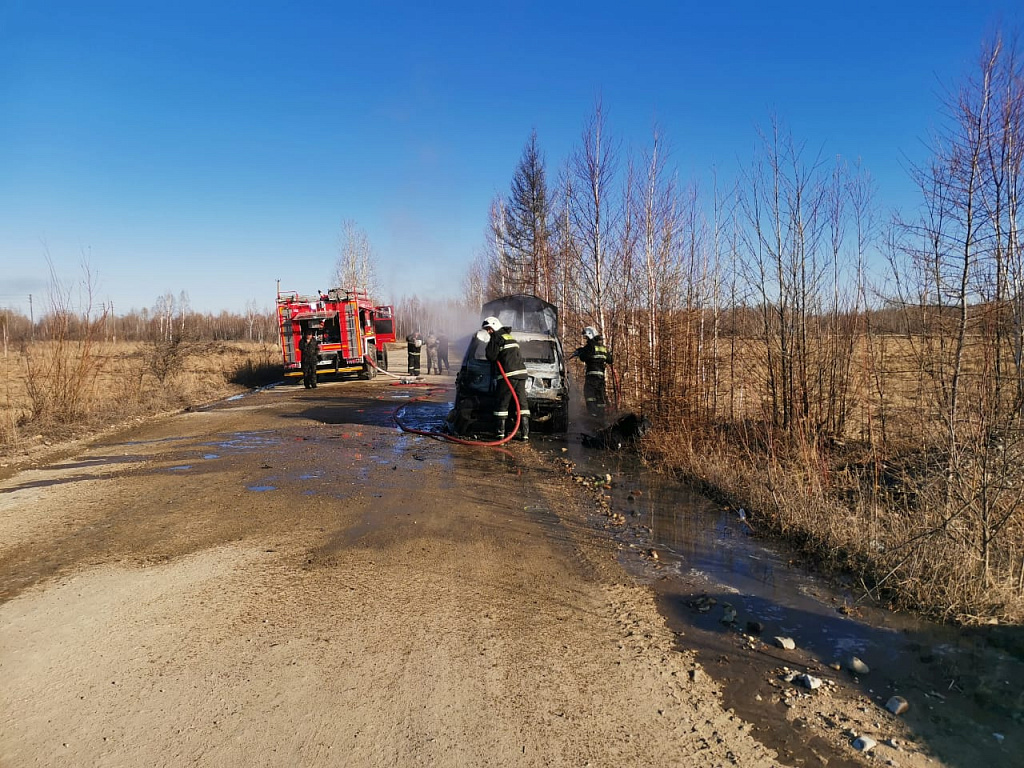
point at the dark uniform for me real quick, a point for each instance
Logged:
(442, 354)
(504, 349)
(595, 356)
(309, 347)
(414, 342)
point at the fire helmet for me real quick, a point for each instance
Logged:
(491, 323)
(590, 332)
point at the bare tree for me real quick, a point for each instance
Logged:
(356, 265)
(253, 315)
(474, 284)
(593, 215)
(163, 312)
(783, 208)
(957, 266)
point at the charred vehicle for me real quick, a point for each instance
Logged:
(534, 323)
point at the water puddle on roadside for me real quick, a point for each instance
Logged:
(157, 441)
(427, 416)
(246, 441)
(710, 566)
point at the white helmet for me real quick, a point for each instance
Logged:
(493, 323)
(590, 332)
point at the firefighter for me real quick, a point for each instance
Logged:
(595, 356)
(414, 343)
(503, 349)
(442, 354)
(309, 347)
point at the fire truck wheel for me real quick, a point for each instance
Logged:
(382, 359)
(369, 371)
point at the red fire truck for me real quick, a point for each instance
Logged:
(352, 331)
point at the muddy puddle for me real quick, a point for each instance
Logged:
(428, 415)
(729, 593)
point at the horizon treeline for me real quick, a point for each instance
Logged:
(170, 318)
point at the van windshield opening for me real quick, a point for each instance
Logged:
(537, 351)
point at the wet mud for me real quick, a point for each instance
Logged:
(728, 593)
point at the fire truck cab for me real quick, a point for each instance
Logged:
(352, 331)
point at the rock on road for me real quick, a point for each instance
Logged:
(287, 579)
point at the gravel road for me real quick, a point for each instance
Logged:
(286, 579)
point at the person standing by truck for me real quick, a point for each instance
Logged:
(432, 366)
(442, 354)
(309, 348)
(595, 356)
(503, 350)
(414, 342)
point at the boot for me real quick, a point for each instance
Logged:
(500, 433)
(524, 428)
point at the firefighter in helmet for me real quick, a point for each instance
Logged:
(503, 349)
(309, 347)
(595, 356)
(414, 343)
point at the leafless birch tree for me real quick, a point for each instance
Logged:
(356, 264)
(593, 215)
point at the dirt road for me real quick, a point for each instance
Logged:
(286, 579)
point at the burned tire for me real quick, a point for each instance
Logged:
(560, 420)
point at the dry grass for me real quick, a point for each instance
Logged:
(101, 385)
(880, 521)
(922, 526)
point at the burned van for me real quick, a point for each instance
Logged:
(534, 323)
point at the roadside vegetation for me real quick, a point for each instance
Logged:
(854, 381)
(79, 370)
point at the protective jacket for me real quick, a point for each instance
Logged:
(595, 356)
(310, 350)
(414, 343)
(503, 348)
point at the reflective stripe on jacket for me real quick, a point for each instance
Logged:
(595, 355)
(504, 349)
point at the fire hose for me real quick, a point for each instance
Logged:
(444, 435)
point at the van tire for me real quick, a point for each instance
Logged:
(560, 419)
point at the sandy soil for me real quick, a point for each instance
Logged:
(287, 580)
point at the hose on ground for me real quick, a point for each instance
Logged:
(443, 435)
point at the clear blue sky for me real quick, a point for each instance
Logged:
(213, 148)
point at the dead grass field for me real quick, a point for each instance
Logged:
(919, 524)
(61, 390)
